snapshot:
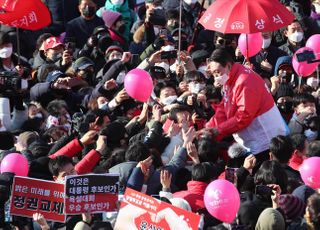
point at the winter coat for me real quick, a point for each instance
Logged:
(194, 194)
(248, 111)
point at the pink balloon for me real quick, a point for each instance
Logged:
(310, 172)
(303, 69)
(15, 163)
(138, 84)
(314, 43)
(254, 44)
(222, 200)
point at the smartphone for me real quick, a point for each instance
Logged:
(264, 190)
(169, 54)
(70, 44)
(231, 174)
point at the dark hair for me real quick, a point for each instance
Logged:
(221, 56)
(117, 157)
(298, 141)
(54, 107)
(281, 148)
(178, 109)
(56, 164)
(163, 84)
(303, 98)
(313, 149)
(94, 1)
(138, 151)
(271, 172)
(172, 14)
(213, 92)
(194, 76)
(203, 172)
(314, 211)
(208, 150)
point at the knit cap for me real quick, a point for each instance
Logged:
(110, 17)
(292, 206)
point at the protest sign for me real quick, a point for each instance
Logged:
(31, 195)
(140, 211)
(92, 192)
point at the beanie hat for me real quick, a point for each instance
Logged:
(180, 203)
(303, 192)
(270, 219)
(82, 226)
(110, 17)
(292, 206)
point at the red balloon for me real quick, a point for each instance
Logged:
(138, 84)
(303, 69)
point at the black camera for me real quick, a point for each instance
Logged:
(312, 123)
(307, 56)
(169, 54)
(11, 82)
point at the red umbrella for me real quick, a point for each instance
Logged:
(246, 16)
(24, 14)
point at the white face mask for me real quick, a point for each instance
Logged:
(168, 48)
(203, 70)
(5, 52)
(296, 36)
(169, 100)
(311, 135)
(2, 129)
(164, 65)
(196, 87)
(117, 2)
(120, 78)
(189, 2)
(313, 82)
(266, 43)
(38, 115)
(221, 80)
(103, 106)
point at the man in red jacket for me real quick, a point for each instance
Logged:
(247, 110)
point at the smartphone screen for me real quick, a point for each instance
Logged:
(231, 174)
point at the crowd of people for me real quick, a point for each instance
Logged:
(212, 113)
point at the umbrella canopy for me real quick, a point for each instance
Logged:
(246, 16)
(24, 14)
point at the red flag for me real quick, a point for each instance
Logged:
(27, 14)
(8, 5)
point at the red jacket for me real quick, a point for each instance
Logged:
(194, 194)
(296, 161)
(87, 163)
(248, 111)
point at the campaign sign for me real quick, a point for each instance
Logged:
(140, 211)
(95, 193)
(31, 195)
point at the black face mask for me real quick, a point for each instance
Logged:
(121, 29)
(89, 11)
(285, 107)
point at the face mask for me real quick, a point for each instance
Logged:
(311, 135)
(222, 79)
(196, 87)
(266, 43)
(5, 52)
(203, 70)
(168, 48)
(117, 2)
(296, 36)
(313, 82)
(103, 106)
(120, 78)
(56, 57)
(2, 129)
(156, 30)
(169, 100)
(189, 2)
(38, 115)
(164, 65)
(89, 11)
